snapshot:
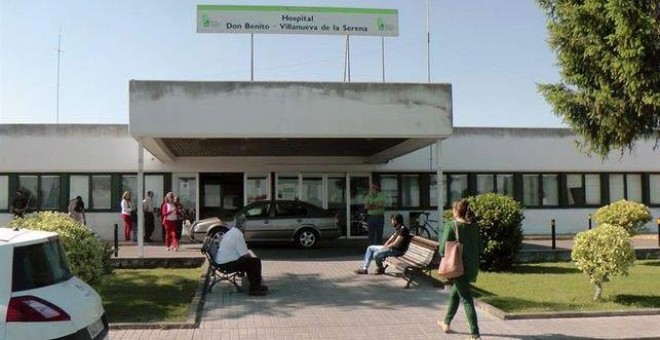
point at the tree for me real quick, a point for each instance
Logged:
(603, 253)
(500, 222)
(609, 57)
(629, 215)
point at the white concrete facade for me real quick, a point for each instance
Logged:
(331, 130)
(75, 149)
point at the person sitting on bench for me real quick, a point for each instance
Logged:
(396, 245)
(233, 255)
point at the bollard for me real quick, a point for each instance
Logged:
(589, 221)
(552, 230)
(116, 240)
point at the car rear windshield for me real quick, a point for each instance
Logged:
(39, 265)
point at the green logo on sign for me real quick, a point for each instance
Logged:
(380, 24)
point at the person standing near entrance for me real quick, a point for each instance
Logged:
(126, 211)
(19, 205)
(169, 212)
(148, 210)
(375, 207)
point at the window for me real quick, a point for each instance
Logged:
(531, 190)
(39, 265)
(540, 190)
(433, 190)
(155, 184)
(458, 187)
(260, 210)
(79, 186)
(4, 192)
(550, 193)
(336, 191)
(634, 187)
(312, 189)
(101, 192)
(185, 188)
(625, 186)
(289, 209)
(212, 194)
(257, 188)
(485, 184)
(287, 186)
(389, 185)
(129, 183)
(504, 184)
(583, 189)
(42, 191)
(654, 188)
(410, 194)
(592, 189)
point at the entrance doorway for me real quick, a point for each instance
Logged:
(359, 188)
(221, 195)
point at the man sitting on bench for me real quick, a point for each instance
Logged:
(233, 255)
(396, 245)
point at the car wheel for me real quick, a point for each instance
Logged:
(217, 232)
(306, 238)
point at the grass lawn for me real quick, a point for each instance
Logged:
(149, 295)
(547, 287)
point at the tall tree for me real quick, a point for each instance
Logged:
(609, 57)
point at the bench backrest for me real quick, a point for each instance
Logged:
(421, 251)
(210, 247)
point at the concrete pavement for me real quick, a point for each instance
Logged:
(316, 295)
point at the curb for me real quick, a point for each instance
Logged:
(194, 310)
(502, 315)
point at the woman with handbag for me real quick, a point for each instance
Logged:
(461, 232)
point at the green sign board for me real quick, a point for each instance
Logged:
(297, 20)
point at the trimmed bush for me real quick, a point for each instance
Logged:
(629, 215)
(500, 222)
(88, 256)
(603, 253)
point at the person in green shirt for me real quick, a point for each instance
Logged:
(375, 207)
(470, 238)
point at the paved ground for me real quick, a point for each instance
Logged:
(315, 295)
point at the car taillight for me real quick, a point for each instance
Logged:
(33, 309)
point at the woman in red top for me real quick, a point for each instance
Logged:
(169, 211)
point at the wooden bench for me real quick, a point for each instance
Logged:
(420, 258)
(215, 273)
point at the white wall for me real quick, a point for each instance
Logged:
(110, 148)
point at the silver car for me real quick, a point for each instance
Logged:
(280, 220)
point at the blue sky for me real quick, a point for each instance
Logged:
(492, 52)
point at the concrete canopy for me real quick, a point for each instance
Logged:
(351, 123)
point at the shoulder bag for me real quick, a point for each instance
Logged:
(451, 265)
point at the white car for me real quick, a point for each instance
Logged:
(39, 297)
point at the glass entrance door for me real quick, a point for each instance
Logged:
(359, 188)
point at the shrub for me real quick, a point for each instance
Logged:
(88, 256)
(602, 253)
(632, 216)
(500, 222)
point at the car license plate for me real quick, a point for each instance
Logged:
(95, 328)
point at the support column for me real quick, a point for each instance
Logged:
(441, 190)
(138, 203)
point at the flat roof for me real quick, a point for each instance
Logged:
(361, 122)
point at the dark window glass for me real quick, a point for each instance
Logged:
(39, 265)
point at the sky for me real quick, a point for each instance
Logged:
(493, 53)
